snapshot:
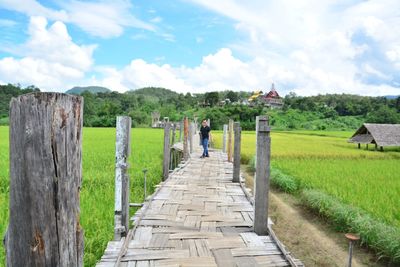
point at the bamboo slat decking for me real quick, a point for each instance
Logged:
(197, 217)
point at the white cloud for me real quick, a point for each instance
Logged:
(33, 8)
(99, 18)
(223, 71)
(7, 23)
(156, 19)
(319, 46)
(49, 59)
(219, 71)
(103, 18)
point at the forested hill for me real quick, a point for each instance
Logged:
(155, 92)
(93, 89)
(333, 112)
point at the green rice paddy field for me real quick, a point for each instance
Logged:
(366, 179)
(97, 195)
(322, 160)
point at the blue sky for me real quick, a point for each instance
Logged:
(309, 47)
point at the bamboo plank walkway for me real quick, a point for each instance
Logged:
(197, 217)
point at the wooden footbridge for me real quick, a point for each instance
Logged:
(201, 214)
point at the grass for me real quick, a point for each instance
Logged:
(97, 194)
(356, 189)
(367, 179)
(377, 235)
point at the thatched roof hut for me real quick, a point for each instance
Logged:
(378, 134)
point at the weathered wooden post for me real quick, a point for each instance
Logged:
(236, 153)
(224, 138)
(263, 173)
(122, 184)
(230, 129)
(255, 163)
(173, 134)
(45, 181)
(180, 130)
(167, 134)
(191, 136)
(185, 139)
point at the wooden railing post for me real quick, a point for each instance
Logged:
(263, 175)
(191, 136)
(236, 153)
(167, 136)
(224, 138)
(180, 131)
(173, 134)
(230, 129)
(255, 162)
(122, 184)
(45, 181)
(185, 139)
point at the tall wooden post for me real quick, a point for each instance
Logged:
(173, 134)
(236, 153)
(263, 175)
(191, 137)
(122, 184)
(180, 131)
(255, 164)
(186, 138)
(45, 181)
(224, 138)
(230, 129)
(167, 136)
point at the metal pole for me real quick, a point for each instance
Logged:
(350, 253)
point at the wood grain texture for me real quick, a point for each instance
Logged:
(122, 183)
(263, 175)
(236, 152)
(224, 138)
(198, 217)
(185, 138)
(166, 158)
(45, 180)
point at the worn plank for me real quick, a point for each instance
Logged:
(199, 218)
(223, 257)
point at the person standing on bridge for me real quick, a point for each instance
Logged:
(205, 135)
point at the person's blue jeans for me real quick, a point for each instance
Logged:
(204, 143)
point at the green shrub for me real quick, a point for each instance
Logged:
(278, 180)
(283, 181)
(377, 235)
(251, 166)
(4, 121)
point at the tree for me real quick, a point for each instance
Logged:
(211, 98)
(232, 96)
(384, 115)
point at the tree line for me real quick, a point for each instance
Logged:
(331, 111)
